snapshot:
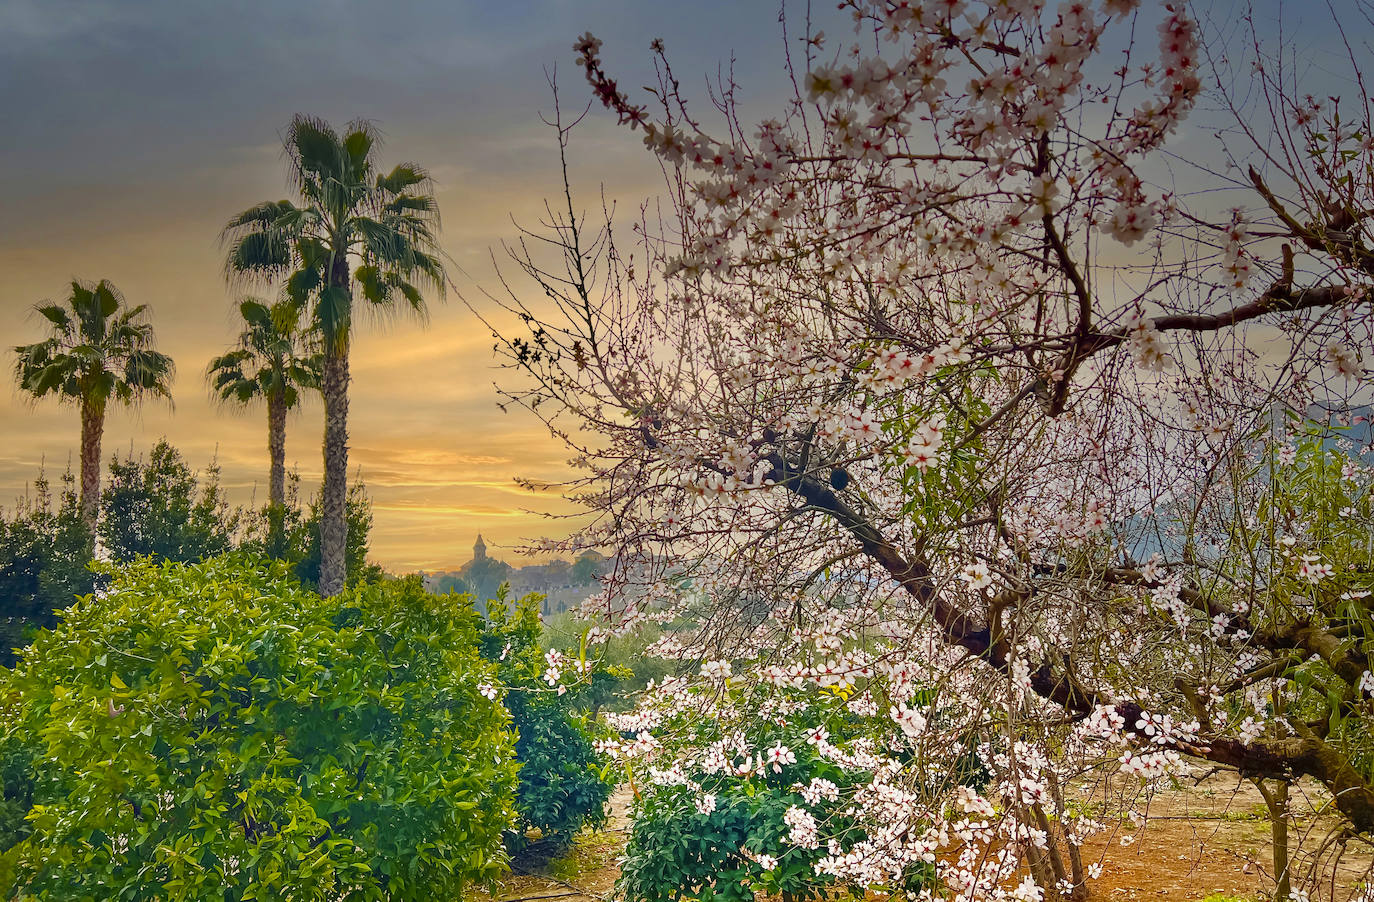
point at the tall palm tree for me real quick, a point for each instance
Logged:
(273, 362)
(352, 234)
(100, 350)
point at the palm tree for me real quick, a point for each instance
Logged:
(353, 234)
(100, 350)
(272, 362)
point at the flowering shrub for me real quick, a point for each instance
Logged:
(215, 731)
(838, 771)
(746, 791)
(563, 783)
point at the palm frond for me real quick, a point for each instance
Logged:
(358, 144)
(149, 371)
(301, 284)
(54, 314)
(261, 254)
(404, 176)
(313, 147)
(255, 313)
(333, 313)
(261, 216)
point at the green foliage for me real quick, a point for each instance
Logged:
(215, 731)
(44, 550)
(161, 509)
(678, 852)
(18, 763)
(624, 666)
(293, 535)
(562, 784)
(1307, 541)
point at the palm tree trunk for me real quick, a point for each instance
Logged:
(92, 430)
(276, 449)
(334, 493)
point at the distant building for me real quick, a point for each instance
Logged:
(563, 583)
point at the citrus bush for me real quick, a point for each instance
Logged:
(214, 731)
(564, 784)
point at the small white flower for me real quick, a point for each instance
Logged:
(1367, 682)
(716, 670)
(976, 575)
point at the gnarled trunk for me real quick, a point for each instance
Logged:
(334, 493)
(1282, 759)
(92, 430)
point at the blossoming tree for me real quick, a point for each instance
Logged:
(955, 387)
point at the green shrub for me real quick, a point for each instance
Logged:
(563, 784)
(163, 509)
(45, 547)
(292, 533)
(214, 731)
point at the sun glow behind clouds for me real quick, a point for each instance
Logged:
(135, 131)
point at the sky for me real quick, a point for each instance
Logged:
(136, 128)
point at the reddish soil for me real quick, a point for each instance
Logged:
(1209, 840)
(1214, 839)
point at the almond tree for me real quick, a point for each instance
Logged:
(937, 349)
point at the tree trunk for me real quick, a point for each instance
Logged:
(334, 493)
(276, 449)
(92, 430)
(1276, 800)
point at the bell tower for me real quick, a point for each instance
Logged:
(479, 551)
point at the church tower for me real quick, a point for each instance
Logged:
(479, 551)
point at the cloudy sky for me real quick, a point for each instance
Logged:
(134, 129)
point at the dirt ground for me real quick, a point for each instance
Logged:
(586, 873)
(1205, 842)
(1213, 839)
